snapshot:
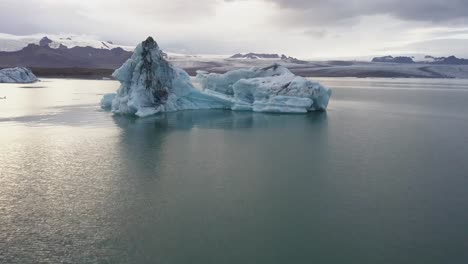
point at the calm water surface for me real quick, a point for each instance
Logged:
(382, 177)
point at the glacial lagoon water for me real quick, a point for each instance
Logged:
(381, 177)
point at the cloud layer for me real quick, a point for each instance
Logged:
(435, 11)
(300, 27)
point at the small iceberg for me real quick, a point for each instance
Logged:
(17, 75)
(151, 85)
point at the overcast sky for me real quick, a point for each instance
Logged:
(301, 28)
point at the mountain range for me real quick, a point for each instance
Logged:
(51, 54)
(85, 57)
(451, 60)
(257, 56)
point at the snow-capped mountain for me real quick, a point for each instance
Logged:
(65, 51)
(262, 56)
(255, 56)
(451, 60)
(49, 53)
(427, 59)
(391, 59)
(11, 43)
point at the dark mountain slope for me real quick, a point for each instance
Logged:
(43, 56)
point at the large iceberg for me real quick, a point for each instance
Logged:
(151, 85)
(17, 75)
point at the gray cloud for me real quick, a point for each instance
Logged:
(311, 13)
(316, 33)
(62, 16)
(435, 47)
(19, 18)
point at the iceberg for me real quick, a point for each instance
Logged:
(151, 85)
(17, 75)
(270, 89)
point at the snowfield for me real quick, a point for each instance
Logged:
(151, 85)
(17, 75)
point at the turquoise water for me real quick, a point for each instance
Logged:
(382, 177)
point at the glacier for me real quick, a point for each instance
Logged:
(151, 85)
(17, 75)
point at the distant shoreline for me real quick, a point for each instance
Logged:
(74, 73)
(312, 69)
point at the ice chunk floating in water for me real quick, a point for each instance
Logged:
(270, 89)
(17, 75)
(151, 85)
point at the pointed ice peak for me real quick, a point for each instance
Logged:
(149, 46)
(150, 51)
(150, 43)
